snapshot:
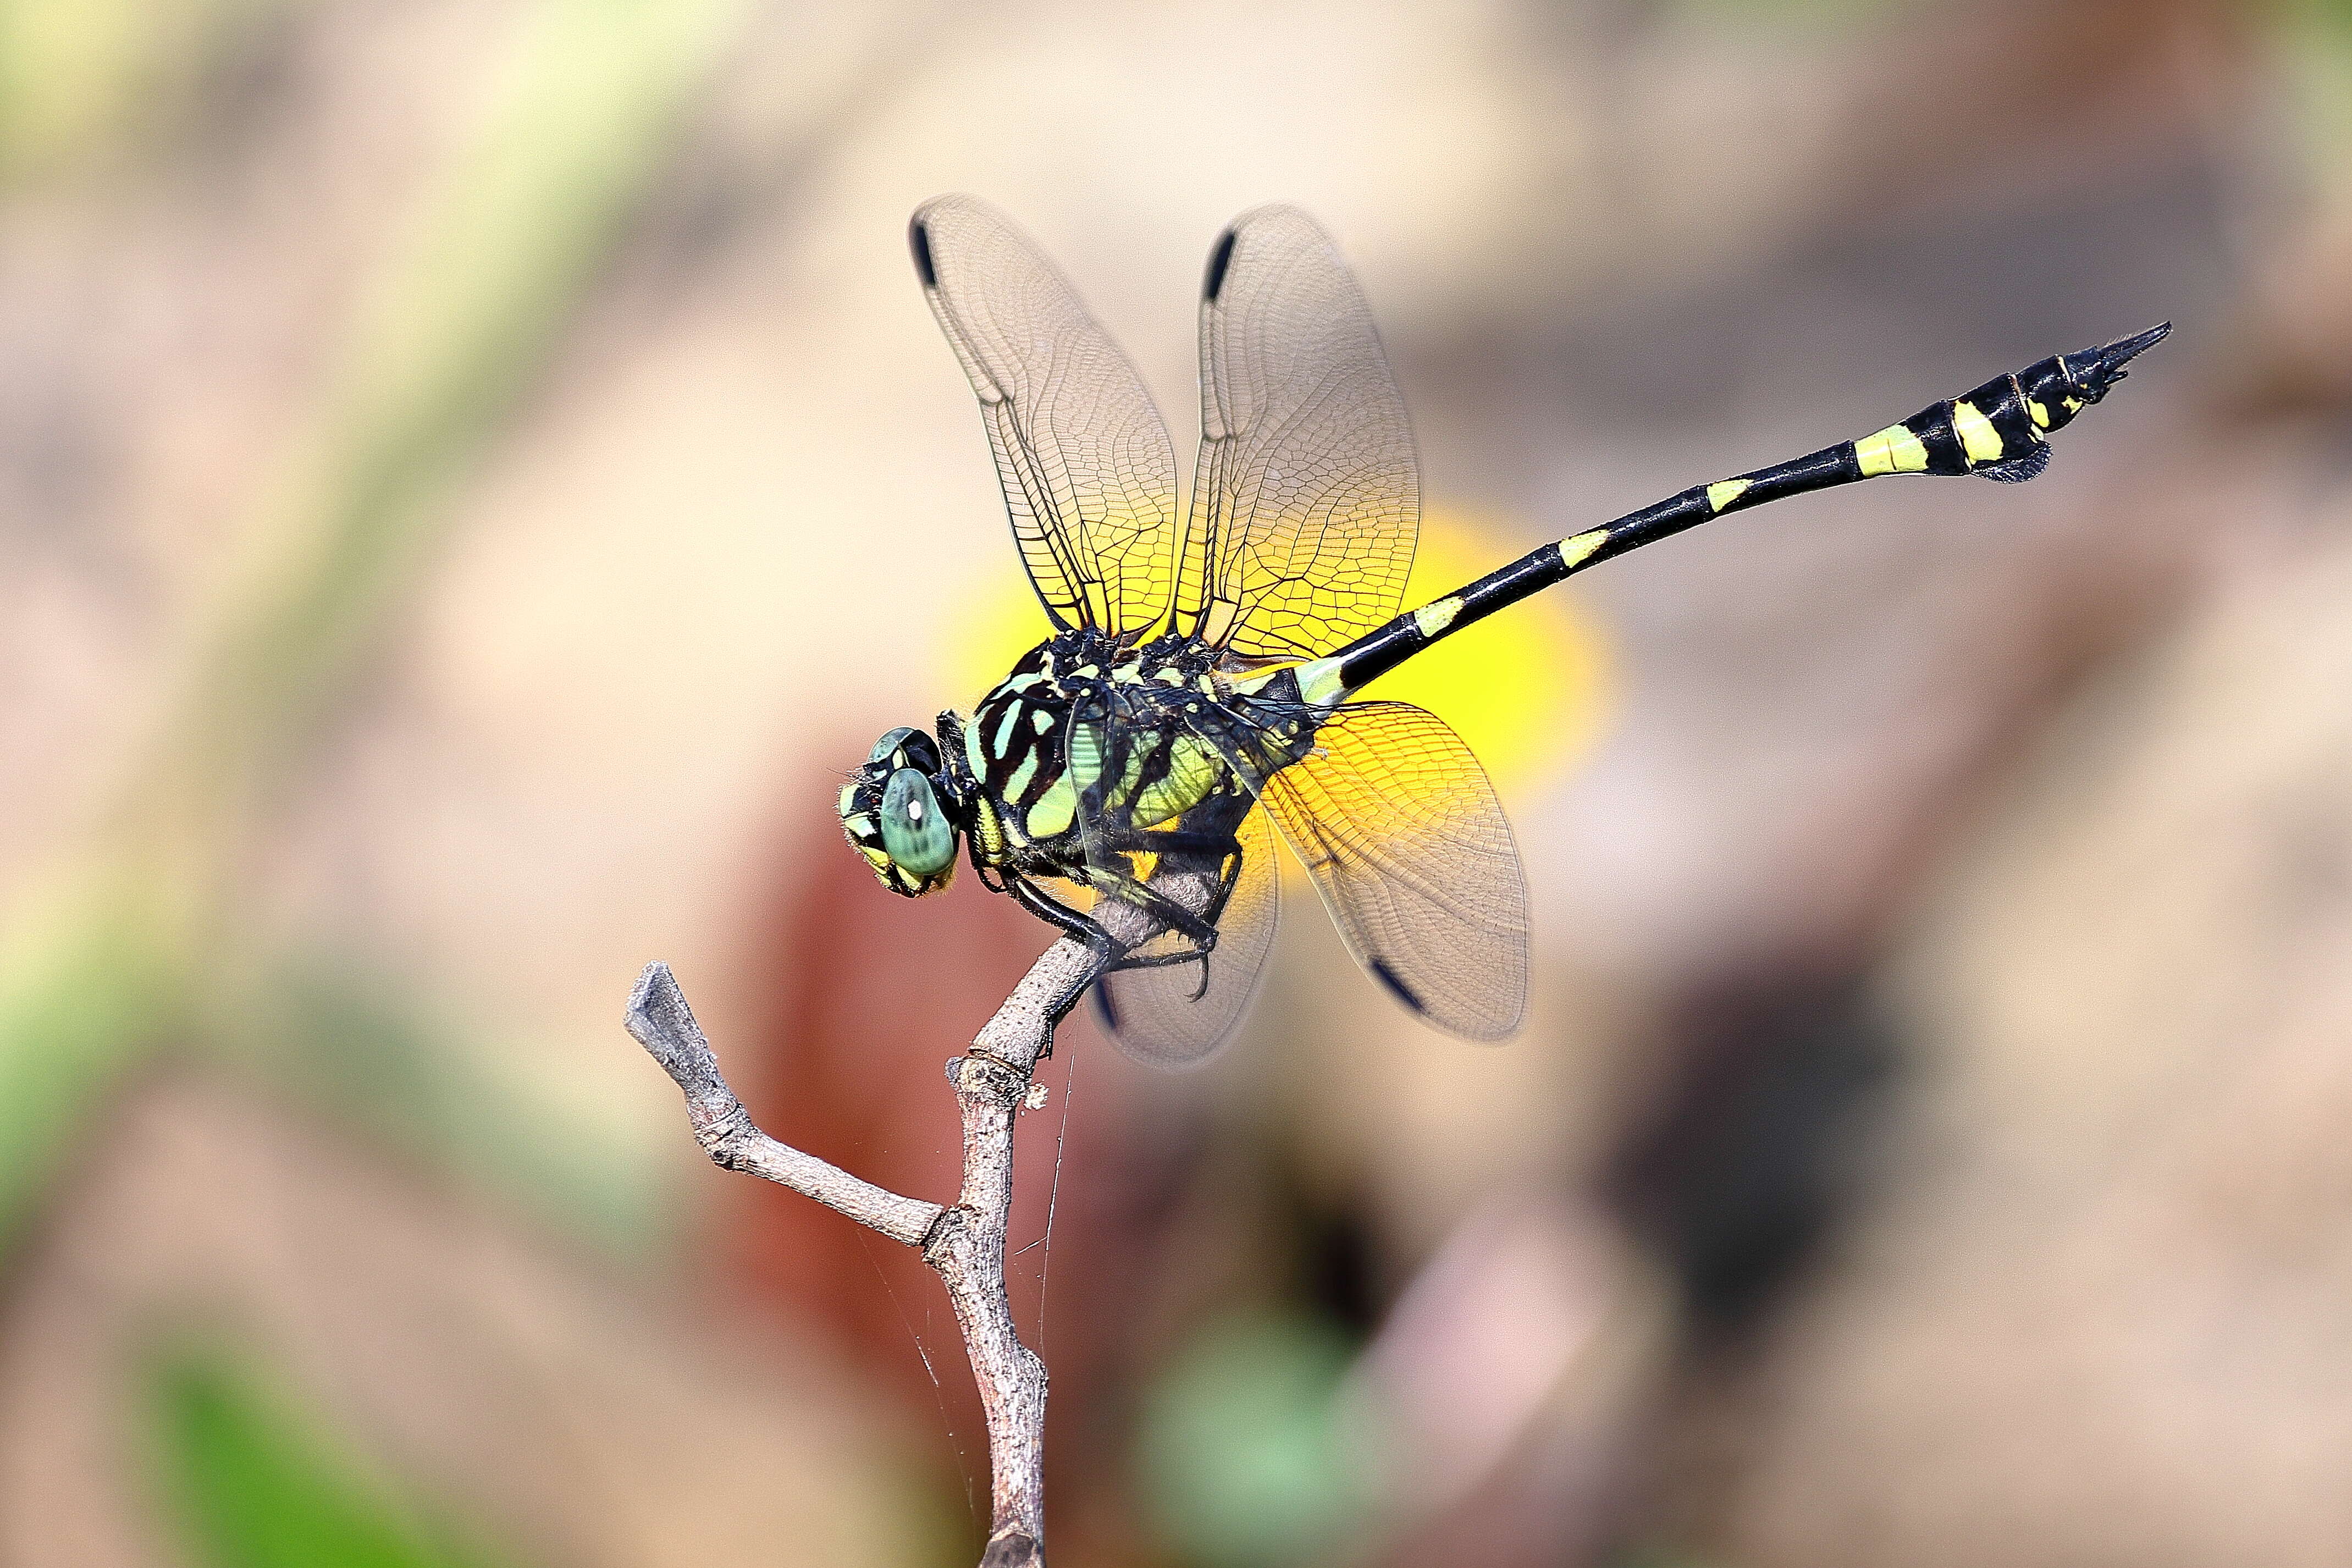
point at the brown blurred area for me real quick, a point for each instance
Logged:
(474, 475)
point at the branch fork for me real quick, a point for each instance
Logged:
(962, 1243)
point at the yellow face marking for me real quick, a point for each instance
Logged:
(2071, 405)
(1577, 547)
(1435, 619)
(1723, 492)
(848, 793)
(1055, 810)
(1979, 439)
(2040, 414)
(1894, 450)
(859, 823)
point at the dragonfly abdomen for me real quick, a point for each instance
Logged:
(1998, 431)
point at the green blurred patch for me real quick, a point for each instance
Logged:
(78, 75)
(362, 1043)
(251, 1484)
(83, 994)
(145, 944)
(1249, 1456)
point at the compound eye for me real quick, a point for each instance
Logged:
(911, 747)
(920, 839)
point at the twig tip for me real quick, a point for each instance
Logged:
(661, 1020)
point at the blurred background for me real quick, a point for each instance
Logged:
(474, 473)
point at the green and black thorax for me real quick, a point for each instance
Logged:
(1093, 748)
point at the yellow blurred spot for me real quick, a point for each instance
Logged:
(1525, 688)
(988, 633)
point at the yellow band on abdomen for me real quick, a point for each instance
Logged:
(1979, 439)
(1894, 450)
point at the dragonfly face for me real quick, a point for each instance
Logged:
(896, 812)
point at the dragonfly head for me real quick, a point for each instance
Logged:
(893, 815)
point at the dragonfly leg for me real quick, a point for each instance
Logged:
(1201, 928)
(1044, 905)
(1086, 929)
(1198, 928)
(1175, 841)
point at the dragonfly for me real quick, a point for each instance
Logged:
(1199, 700)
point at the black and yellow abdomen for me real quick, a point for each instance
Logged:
(1998, 431)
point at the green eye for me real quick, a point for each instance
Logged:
(915, 831)
(906, 748)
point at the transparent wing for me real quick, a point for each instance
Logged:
(1154, 1014)
(1306, 498)
(1395, 820)
(1088, 474)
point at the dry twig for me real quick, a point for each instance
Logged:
(963, 1244)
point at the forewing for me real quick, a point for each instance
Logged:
(1088, 474)
(1406, 842)
(1154, 1015)
(1306, 498)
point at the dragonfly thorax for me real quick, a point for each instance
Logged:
(1068, 732)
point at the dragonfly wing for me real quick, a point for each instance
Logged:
(1088, 474)
(1307, 499)
(1406, 842)
(1161, 1016)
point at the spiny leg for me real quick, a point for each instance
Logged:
(1045, 907)
(1171, 841)
(1160, 904)
(1086, 929)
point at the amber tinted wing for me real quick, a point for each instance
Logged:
(1154, 1014)
(1408, 846)
(1306, 498)
(1089, 476)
